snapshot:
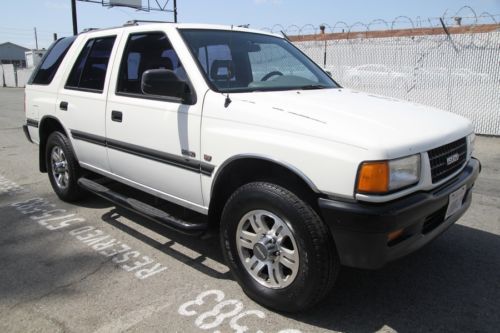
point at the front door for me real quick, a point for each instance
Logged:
(153, 142)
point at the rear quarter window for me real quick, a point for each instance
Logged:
(47, 69)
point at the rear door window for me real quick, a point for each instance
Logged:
(89, 70)
(47, 69)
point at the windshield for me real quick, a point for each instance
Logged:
(234, 61)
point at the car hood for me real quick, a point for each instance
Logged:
(387, 126)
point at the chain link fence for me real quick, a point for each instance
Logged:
(446, 65)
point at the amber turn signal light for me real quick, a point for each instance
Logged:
(374, 177)
(394, 235)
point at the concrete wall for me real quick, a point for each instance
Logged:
(23, 76)
(1, 77)
(9, 75)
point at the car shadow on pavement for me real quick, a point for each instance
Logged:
(451, 285)
(93, 202)
(207, 246)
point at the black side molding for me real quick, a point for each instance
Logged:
(143, 209)
(151, 154)
(91, 138)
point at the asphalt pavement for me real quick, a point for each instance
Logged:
(90, 267)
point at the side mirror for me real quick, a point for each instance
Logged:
(164, 83)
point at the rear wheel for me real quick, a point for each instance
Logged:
(277, 247)
(62, 167)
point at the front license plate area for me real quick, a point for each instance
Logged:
(455, 201)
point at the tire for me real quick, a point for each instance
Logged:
(63, 181)
(287, 288)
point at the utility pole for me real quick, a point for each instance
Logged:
(175, 11)
(36, 39)
(73, 14)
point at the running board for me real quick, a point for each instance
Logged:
(143, 209)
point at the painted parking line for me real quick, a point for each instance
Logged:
(47, 215)
(230, 310)
(10, 188)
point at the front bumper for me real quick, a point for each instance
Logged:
(360, 230)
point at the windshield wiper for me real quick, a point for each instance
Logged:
(313, 86)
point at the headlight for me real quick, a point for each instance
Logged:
(387, 176)
(471, 140)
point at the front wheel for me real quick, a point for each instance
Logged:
(277, 247)
(62, 167)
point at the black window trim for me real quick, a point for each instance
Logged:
(193, 100)
(89, 90)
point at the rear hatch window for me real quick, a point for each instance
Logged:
(47, 68)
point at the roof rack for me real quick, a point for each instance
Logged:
(88, 30)
(136, 22)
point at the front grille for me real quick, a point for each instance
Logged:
(441, 166)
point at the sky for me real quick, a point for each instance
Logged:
(18, 18)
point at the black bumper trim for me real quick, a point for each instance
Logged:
(32, 122)
(360, 229)
(27, 133)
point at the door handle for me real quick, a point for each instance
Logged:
(116, 116)
(63, 106)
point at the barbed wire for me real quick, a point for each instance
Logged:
(465, 16)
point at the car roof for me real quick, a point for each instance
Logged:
(139, 26)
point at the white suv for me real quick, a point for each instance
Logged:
(300, 175)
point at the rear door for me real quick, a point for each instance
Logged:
(81, 102)
(153, 141)
(42, 87)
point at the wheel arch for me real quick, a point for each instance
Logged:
(242, 169)
(48, 125)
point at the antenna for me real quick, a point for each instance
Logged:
(285, 35)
